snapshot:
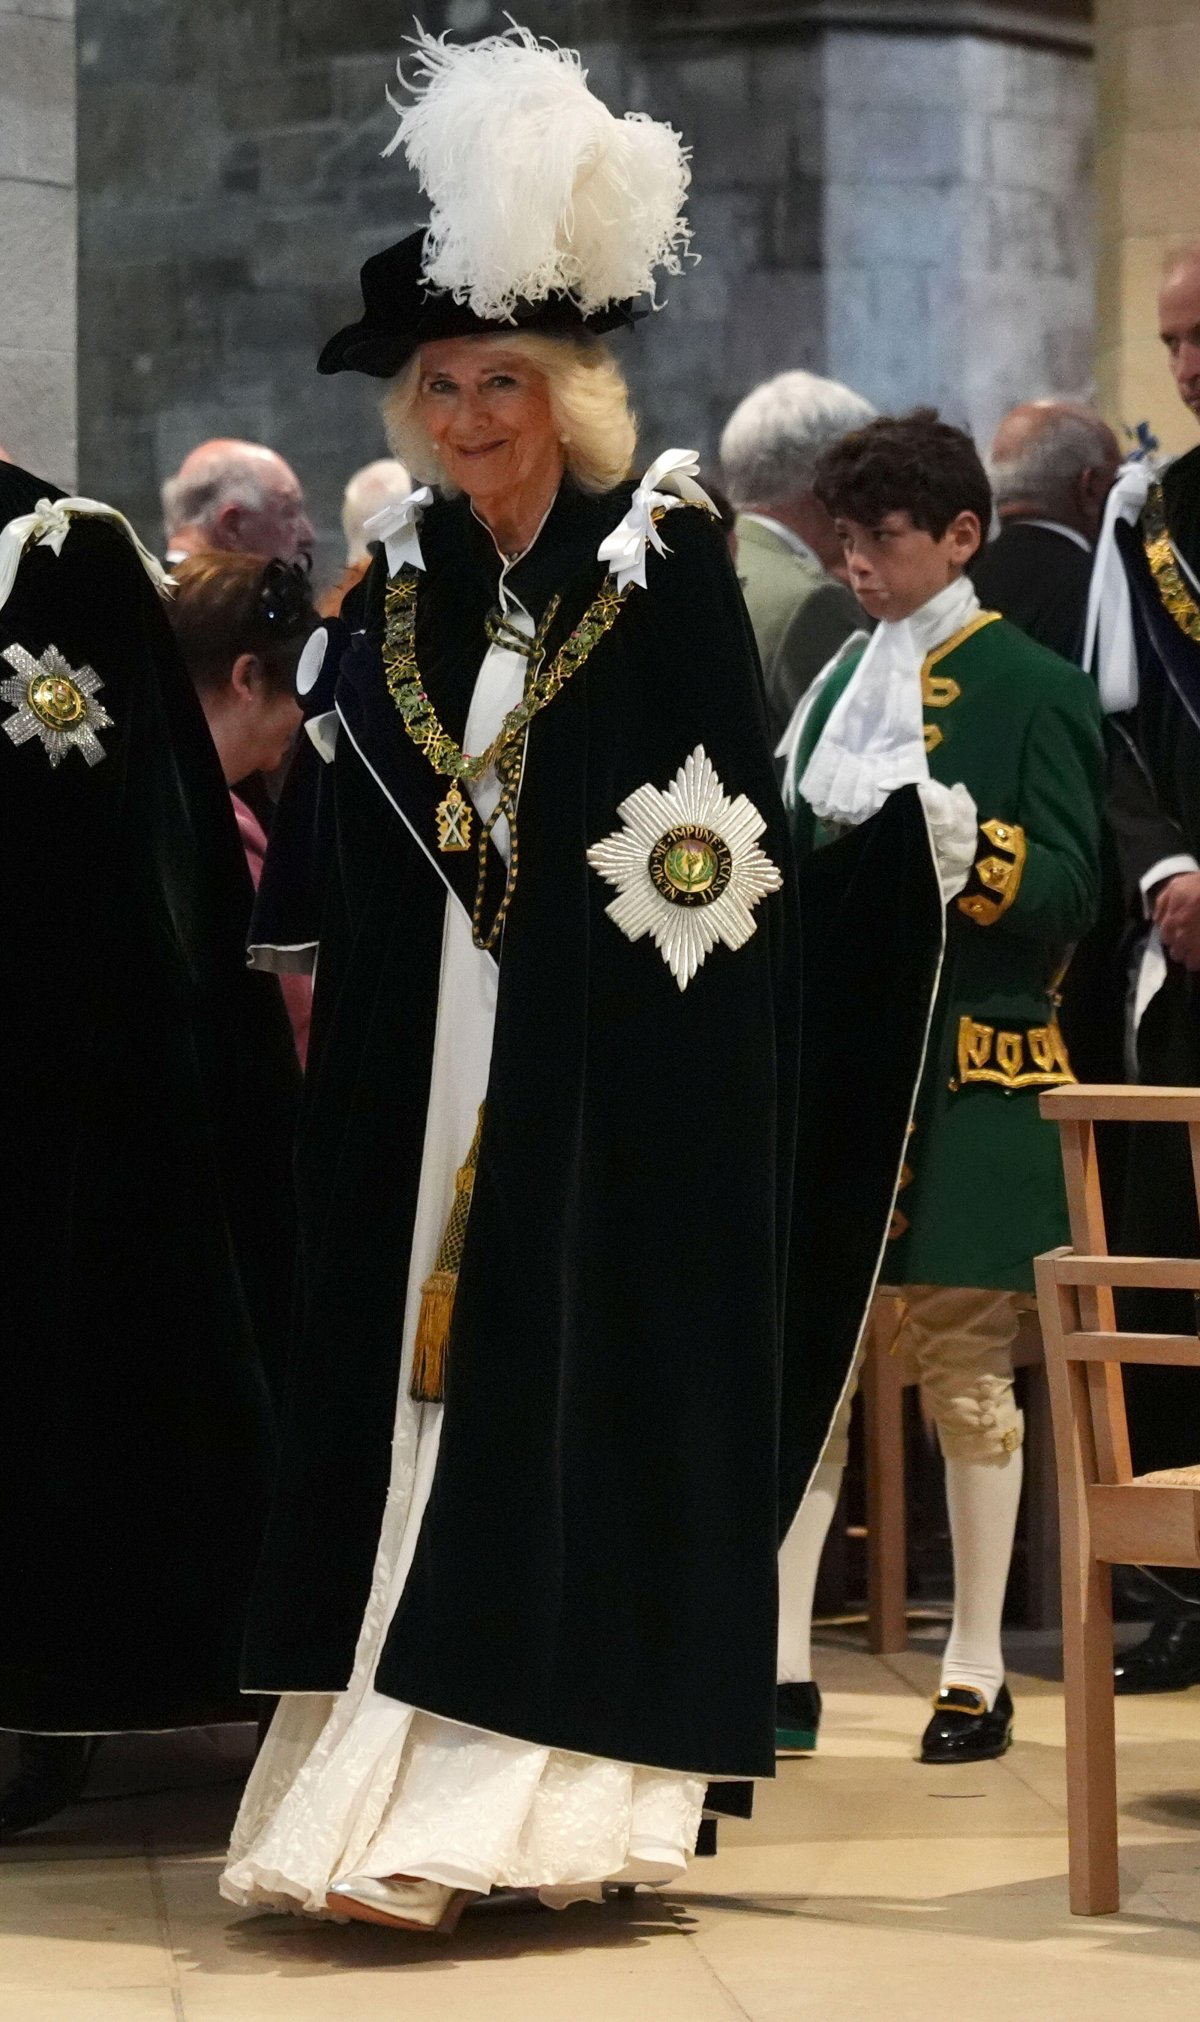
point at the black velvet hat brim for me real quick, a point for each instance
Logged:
(401, 313)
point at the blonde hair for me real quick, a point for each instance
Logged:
(589, 404)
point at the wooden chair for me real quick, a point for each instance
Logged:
(884, 1380)
(1108, 1515)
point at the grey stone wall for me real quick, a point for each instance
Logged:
(37, 235)
(907, 211)
(958, 225)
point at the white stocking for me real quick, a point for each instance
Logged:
(982, 1497)
(799, 1562)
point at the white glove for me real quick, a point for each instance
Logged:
(953, 830)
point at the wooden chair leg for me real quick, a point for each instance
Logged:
(1091, 1739)
(887, 1539)
(1043, 1603)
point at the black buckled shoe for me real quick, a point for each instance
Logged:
(797, 1718)
(963, 1729)
(1167, 1661)
(52, 1771)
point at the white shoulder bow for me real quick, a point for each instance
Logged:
(48, 525)
(669, 482)
(1109, 648)
(397, 525)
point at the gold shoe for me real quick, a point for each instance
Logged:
(407, 1902)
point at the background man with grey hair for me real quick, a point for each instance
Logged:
(384, 482)
(239, 495)
(1051, 467)
(787, 551)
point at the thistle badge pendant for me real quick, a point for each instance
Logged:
(455, 816)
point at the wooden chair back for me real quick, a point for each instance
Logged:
(1107, 1515)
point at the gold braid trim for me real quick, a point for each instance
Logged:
(997, 878)
(938, 691)
(1033, 1058)
(1177, 599)
(427, 1384)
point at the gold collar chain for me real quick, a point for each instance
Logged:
(506, 752)
(417, 713)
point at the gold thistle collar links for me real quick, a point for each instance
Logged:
(505, 755)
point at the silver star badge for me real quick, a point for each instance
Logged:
(686, 867)
(54, 702)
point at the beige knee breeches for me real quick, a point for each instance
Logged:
(957, 1343)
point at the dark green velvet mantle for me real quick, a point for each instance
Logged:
(146, 1220)
(596, 1566)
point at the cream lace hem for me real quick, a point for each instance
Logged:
(391, 1791)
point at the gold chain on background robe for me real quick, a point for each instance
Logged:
(1176, 596)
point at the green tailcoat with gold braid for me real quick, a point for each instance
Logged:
(982, 1189)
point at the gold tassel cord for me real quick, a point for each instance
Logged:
(428, 1381)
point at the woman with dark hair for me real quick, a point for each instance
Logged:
(241, 624)
(519, 1590)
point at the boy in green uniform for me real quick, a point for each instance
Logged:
(952, 698)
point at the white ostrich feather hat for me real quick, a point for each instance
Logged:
(547, 211)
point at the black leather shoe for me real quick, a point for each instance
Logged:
(1168, 1660)
(53, 1769)
(797, 1718)
(963, 1730)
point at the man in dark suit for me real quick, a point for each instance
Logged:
(1150, 673)
(1052, 466)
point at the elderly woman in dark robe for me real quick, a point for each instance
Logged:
(519, 1587)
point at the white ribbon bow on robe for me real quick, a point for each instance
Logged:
(398, 526)
(1109, 649)
(669, 482)
(48, 526)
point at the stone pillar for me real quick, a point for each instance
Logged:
(957, 246)
(38, 236)
(1148, 81)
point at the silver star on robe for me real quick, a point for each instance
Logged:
(54, 702)
(686, 867)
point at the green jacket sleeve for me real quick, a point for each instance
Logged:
(1037, 870)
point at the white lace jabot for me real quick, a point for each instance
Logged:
(874, 740)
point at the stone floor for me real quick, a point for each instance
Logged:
(865, 1886)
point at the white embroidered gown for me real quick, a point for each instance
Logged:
(357, 1783)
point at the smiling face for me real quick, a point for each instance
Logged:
(1179, 326)
(895, 567)
(487, 411)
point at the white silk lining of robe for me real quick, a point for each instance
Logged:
(358, 1783)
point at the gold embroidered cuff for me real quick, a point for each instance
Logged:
(996, 876)
(1033, 1058)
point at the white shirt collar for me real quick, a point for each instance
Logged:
(943, 615)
